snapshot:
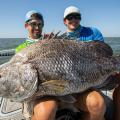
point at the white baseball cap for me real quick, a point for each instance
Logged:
(30, 13)
(71, 9)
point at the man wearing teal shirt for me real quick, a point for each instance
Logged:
(91, 102)
(82, 33)
(72, 18)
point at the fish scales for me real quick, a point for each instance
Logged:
(57, 67)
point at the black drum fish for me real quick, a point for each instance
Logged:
(57, 67)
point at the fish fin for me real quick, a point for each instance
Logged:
(55, 85)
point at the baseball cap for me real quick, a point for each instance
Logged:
(71, 9)
(29, 14)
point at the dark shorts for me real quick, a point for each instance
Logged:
(109, 115)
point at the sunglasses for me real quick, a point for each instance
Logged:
(73, 16)
(35, 24)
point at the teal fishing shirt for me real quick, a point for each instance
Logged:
(85, 34)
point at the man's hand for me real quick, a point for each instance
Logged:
(48, 36)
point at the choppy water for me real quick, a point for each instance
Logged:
(12, 43)
(9, 44)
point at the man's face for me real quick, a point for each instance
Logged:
(34, 28)
(72, 21)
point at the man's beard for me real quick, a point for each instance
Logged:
(36, 36)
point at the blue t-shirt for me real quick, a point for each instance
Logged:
(85, 34)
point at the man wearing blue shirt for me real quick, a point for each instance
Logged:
(72, 18)
(91, 102)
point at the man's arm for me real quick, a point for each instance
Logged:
(20, 47)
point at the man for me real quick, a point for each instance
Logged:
(34, 24)
(72, 18)
(92, 102)
(45, 108)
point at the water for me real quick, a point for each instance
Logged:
(12, 43)
(9, 44)
(114, 42)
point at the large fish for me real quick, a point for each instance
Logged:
(57, 67)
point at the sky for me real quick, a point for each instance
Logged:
(102, 14)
